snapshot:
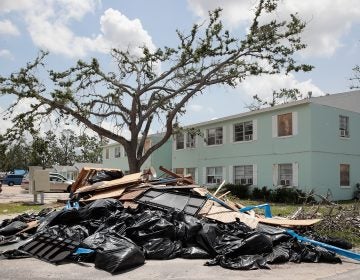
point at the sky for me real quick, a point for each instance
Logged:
(82, 29)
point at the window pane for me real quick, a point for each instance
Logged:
(179, 141)
(214, 175)
(179, 171)
(214, 136)
(344, 175)
(243, 174)
(285, 124)
(191, 171)
(117, 152)
(344, 126)
(243, 131)
(285, 174)
(190, 140)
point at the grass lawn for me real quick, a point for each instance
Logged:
(19, 208)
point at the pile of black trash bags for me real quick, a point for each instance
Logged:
(123, 239)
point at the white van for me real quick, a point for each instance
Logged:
(58, 183)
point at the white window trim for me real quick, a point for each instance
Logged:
(176, 148)
(255, 174)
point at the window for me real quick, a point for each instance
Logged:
(179, 171)
(214, 175)
(117, 152)
(285, 174)
(192, 172)
(215, 136)
(243, 174)
(190, 140)
(107, 153)
(285, 127)
(344, 175)
(243, 131)
(344, 126)
(179, 138)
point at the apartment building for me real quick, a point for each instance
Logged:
(310, 144)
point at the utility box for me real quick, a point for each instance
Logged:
(41, 181)
(31, 177)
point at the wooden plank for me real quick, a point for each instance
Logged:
(221, 214)
(30, 225)
(288, 222)
(132, 195)
(169, 172)
(126, 180)
(106, 194)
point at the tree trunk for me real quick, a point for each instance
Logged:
(134, 163)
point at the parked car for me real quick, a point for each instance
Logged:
(58, 183)
(12, 179)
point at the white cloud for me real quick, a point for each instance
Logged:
(328, 21)
(50, 24)
(263, 86)
(6, 54)
(8, 28)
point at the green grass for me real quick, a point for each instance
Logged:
(18, 208)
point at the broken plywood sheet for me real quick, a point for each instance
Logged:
(288, 222)
(106, 194)
(221, 214)
(206, 208)
(126, 180)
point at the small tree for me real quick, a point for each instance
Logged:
(138, 93)
(355, 79)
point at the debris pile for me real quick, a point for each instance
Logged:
(117, 222)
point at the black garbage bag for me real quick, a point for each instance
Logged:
(150, 225)
(302, 252)
(194, 252)
(255, 244)
(207, 238)
(161, 249)
(236, 228)
(106, 175)
(13, 228)
(100, 209)
(334, 241)
(119, 254)
(280, 254)
(245, 262)
(61, 217)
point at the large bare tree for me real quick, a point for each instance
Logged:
(138, 93)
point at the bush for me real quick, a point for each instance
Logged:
(280, 194)
(240, 191)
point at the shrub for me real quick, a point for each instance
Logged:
(240, 191)
(281, 194)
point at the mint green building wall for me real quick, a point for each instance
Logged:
(265, 151)
(162, 156)
(329, 150)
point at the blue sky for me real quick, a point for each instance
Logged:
(74, 29)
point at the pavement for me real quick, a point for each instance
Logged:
(177, 269)
(17, 194)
